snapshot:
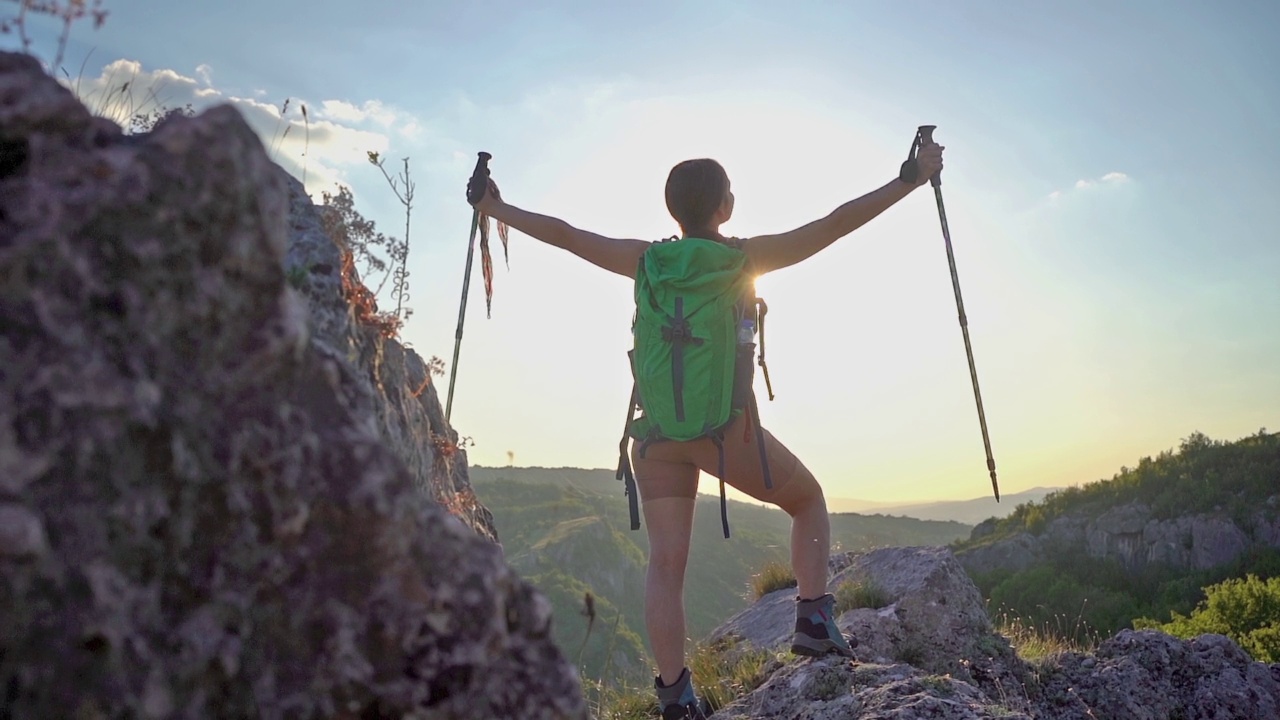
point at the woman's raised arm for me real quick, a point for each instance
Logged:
(770, 252)
(612, 254)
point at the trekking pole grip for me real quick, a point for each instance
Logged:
(479, 182)
(926, 137)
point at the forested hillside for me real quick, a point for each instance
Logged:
(567, 531)
(1088, 561)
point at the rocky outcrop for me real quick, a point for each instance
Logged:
(1149, 674)
(207, 508)
(398, 399)
(929, 651)
(1132, 536)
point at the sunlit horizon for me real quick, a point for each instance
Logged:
(1113, 223)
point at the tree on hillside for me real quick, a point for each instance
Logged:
(1246, 610)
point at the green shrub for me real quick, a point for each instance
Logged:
(1038, 641)
(772, 577)
(851, 595)
(1247, 610)
(724, 672)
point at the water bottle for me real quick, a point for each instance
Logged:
(746, 331)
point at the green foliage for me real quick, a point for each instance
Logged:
(1247, 610)
(627, 702)
(1036, 642)
(911, 653)
(1046, 596)
(1078, 599)
(1203, 475)
(595, 637)
(775, 575)
(938, 685)
(1081, 597)
(851, 595)
(724, 672)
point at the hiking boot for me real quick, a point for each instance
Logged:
(816, 630)
(677, 700)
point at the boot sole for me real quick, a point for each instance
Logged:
(814, 647)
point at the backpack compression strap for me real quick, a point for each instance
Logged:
(717, 438)
(679, 334)
(625, 472)
(764, 310)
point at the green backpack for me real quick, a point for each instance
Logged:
(693, 332)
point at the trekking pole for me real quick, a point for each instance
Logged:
(476, 188)
(925, 136)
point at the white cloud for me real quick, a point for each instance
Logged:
(324, 144)
(370, 111)
(1111, 178)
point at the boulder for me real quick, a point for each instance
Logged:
(201, 516)
(930, 652)
(1147, 674)
(1216, 541)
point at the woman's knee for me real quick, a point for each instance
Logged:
(802, 493)
(668, 560)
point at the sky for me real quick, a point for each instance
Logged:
(1110, 188)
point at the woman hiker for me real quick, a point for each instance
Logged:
(666, 474)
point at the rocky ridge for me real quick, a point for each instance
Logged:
(1133, 536)
(929, 651)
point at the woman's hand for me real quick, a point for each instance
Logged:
(928, 162)
(489, 200)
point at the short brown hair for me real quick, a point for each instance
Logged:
(695, 190)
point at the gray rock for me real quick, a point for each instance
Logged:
(827, 689)
(1216, 541)
(1147, 674)
(230, 528)
(938, 610)
(1123, 520)
(1168, 542)
(398, 398)
(1063, 532)
(1133, 675)
(1131, 536)
(1015, 553)
(1266, 526)
(933, 615)
(1117, 533)
(22, 534)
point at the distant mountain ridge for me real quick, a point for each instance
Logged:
(970, 512)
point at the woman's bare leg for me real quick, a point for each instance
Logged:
(795, 491)
(667, 491)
